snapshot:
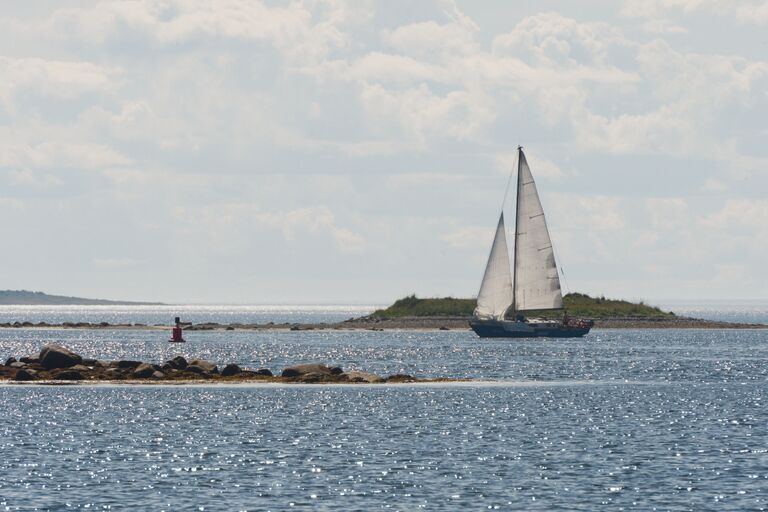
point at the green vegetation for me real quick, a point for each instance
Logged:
(580, 304)
(577, 305)
(413, 306)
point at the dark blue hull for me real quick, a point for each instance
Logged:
(509, 329)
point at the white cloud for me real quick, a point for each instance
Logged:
(230, 220)
(702, 80)
(29, 178)
(427, 37)
(691, 89)
(59, 155)
(550, 38)
(740, 214)
(586, 213)
(469, 237)
(388, 68)
(412, 180)
(668, 213)
(662, 26)
(753, 12)
(12, 204)
(421, 114)
(745, 11)
(646, 240)
(302, 31)
(54, 78)
(314, 220)
(715, 185)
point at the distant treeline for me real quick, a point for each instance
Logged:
(576, 304)
(27, 298)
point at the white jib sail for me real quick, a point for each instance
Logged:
(537, 285)
(495, 294)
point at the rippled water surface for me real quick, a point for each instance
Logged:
(750, 312)
(164, 314)
(632, 419)
(744, 312)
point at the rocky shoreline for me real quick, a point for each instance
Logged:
(401, 323)
(56, 364)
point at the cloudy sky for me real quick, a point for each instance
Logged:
(246, 151)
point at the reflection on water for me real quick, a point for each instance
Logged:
(638, 355)
(750, 312)
(163, 315)
(745, 312)
(641, 419)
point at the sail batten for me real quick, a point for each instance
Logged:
(495, 295)
(536, 284)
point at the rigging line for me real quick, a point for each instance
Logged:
(509, 181)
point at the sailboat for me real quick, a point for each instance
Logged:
(533, 284)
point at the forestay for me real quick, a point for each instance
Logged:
(495, 294)
(537, 285)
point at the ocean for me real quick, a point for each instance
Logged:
(744, 312)
(747, 311)
(164, 315)
(621, 419)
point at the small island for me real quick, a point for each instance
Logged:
(577, 305)
(454, 313)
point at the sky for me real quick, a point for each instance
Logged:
(331, 151)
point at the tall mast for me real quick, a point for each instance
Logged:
(517, 211)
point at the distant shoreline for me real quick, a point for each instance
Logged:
(29, 298)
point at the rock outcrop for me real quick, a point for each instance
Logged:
(177, 363)
(23, 375)
(355, 376)
(143, 371)
(199, 370)
(312, 368)
(125, 364)
(230, 369)
(68, 375)
(57, 363)
(56, 356)
(206, 366)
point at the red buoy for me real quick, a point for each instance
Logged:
(176, 335)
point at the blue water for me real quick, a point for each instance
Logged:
(744, 312)
(164, 314)
(747, 311)
(622, 419)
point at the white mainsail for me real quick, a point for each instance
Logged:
(537, 285)
(495, 294)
